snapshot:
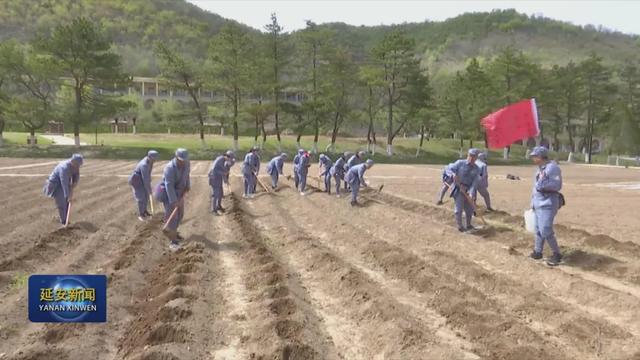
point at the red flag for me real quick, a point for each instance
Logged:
(515, 122)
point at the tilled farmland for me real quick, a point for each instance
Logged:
(284, 276)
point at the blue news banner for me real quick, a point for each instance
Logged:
(68, 298)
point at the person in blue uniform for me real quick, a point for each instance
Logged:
(325, 165)
(357, 158)
(347, 156)
(219, 174)
(275, 168)
(483, 182)
(250, 168)
(355, 178)
(465, 178)
(140, 181)
(337, 171)
(256, 165)
(296, 161)
(61, 183)
(176, 182)
(227, 166)
(545, 202)
(447, 182)
(303, 170)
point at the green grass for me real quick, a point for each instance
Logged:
(20, 138)
(129, 146)
(440, 151)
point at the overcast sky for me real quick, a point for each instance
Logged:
(617, 15)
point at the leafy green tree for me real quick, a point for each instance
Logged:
(477, 89)
(339, 87)
(314, 39)
(511, 70)
(36, 79)
(418, 105)
(512, 73)
(83, 53)
(169, 114)
(4, 97)
(571, 88)
(280, 53)
(371, 79)
(395, 56)
(423, 125)
(260, 87)
(629, 76)
(626, 128)
(550, 104)
(221, 113)
(300, 118)
(625, 132)
(452, 107)
(598, 96)
(230, 55)
(180, 73)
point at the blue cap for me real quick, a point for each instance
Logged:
(482, 156)
(540, 151)
(369, 163)
(230, 154)
(300, 151)
(322, 156)
(78, 158)
(182, 154)
(152, 154)
(473, 152)
(284, 155)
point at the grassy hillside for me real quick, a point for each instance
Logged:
(135, 25)
(446, 45)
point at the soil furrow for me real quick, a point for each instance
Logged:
(358, 310)
(178, 285)
(500, 261)
(498, 282)
(23, 244)
(596, 260)
(81, 256)
(290, 328)
(22, 204)
(501, 335)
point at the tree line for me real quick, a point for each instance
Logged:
(57, 77)
(385, 90)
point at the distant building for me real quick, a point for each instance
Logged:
(119, 126)
(152, 90)
(54, 127)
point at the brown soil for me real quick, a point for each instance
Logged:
(289, 277)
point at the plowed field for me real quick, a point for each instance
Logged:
(284, 276)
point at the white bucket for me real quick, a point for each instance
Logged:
(530, 221)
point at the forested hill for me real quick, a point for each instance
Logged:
(448, 44)
(135, 25)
